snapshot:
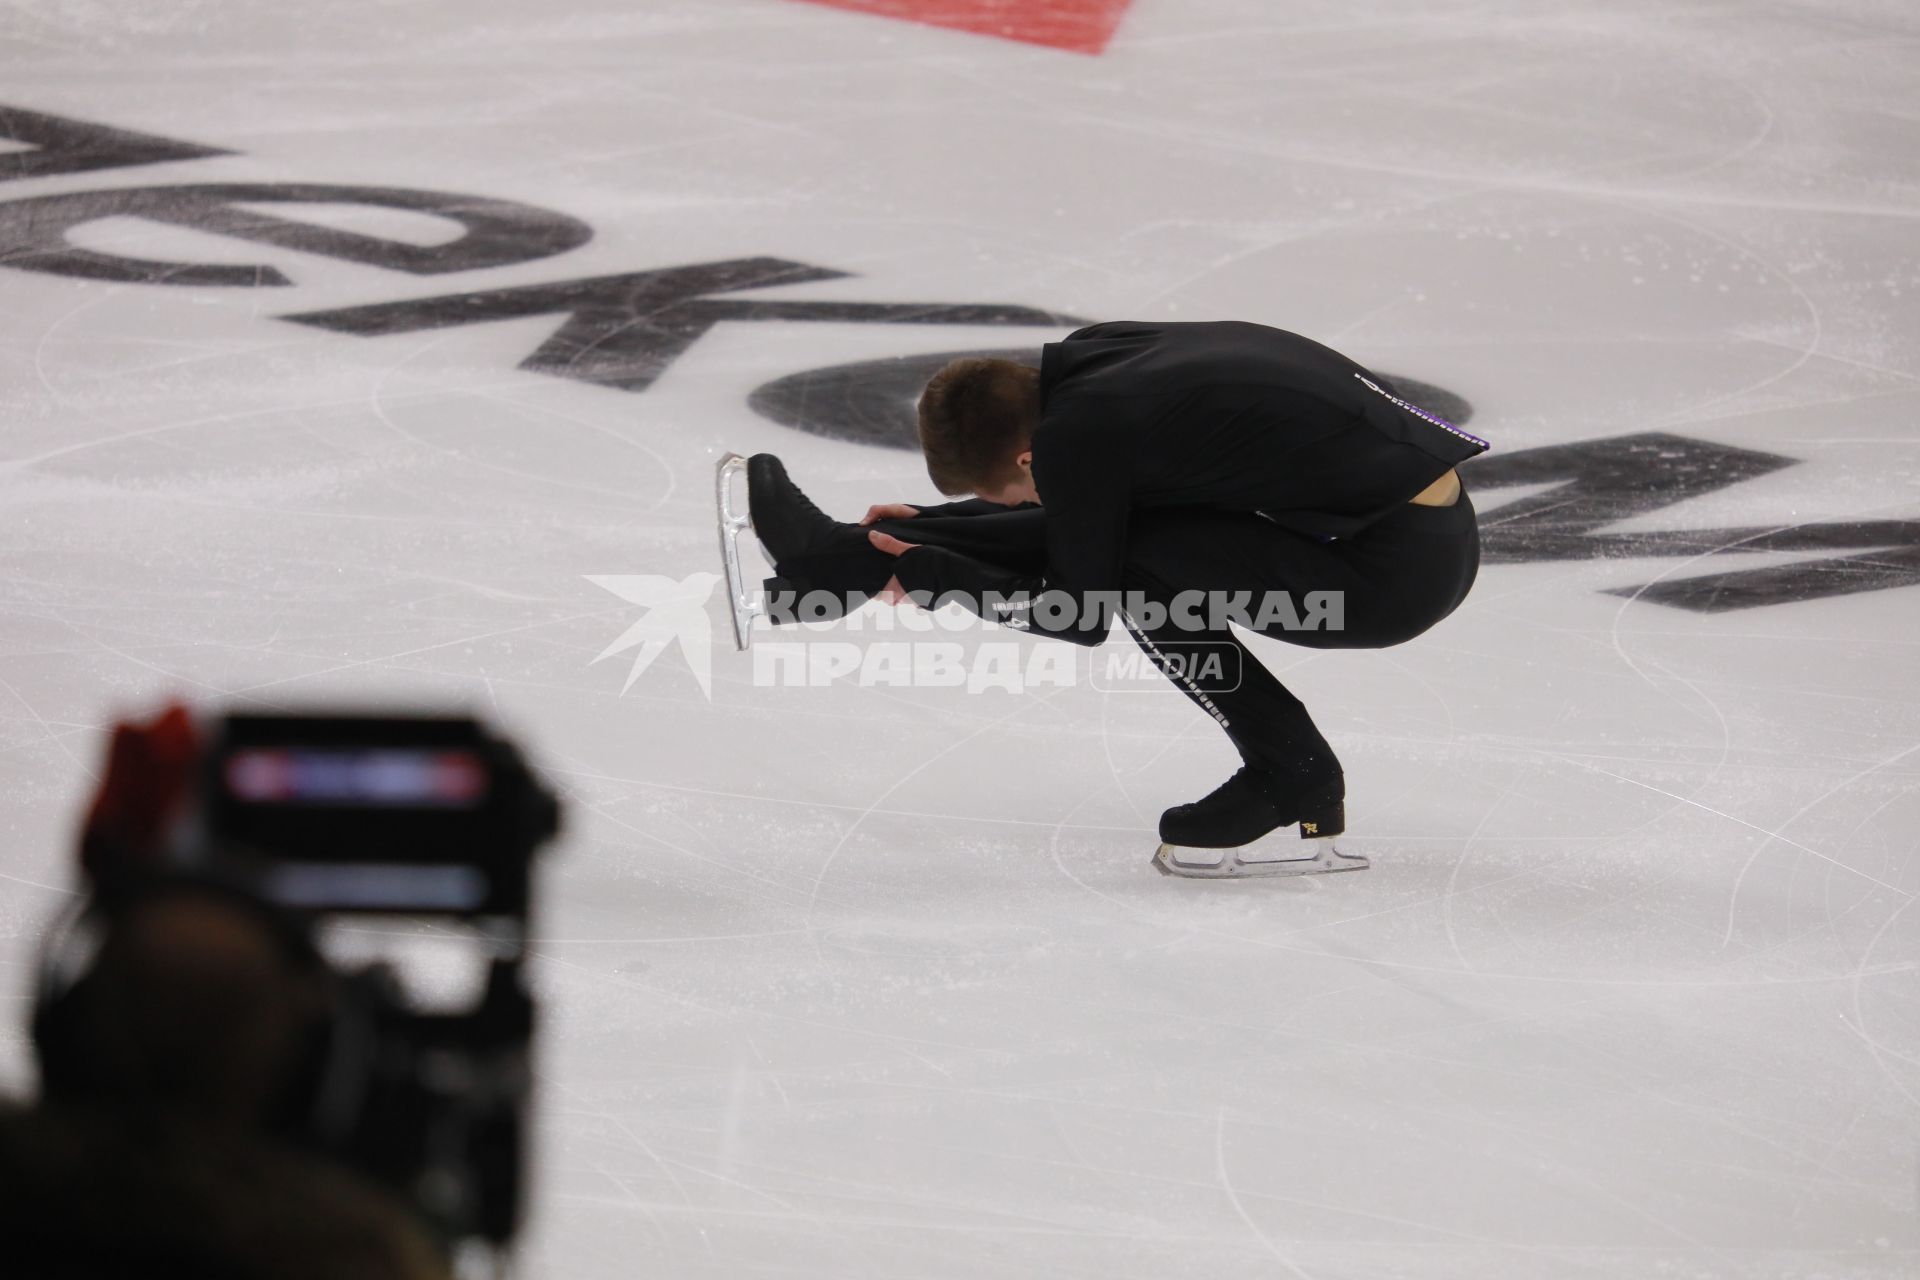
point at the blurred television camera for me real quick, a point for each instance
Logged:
(191, 987)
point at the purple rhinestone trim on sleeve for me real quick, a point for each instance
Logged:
(1418, 412)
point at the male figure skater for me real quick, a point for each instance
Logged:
(1143, 461)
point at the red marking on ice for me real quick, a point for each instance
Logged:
(1078, 26)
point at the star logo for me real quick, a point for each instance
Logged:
(676, 614)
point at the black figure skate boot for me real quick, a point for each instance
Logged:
(1232, 821)
(823, 566)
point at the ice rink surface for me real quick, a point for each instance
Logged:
(876, 981)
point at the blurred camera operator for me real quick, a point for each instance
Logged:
(165, 1138)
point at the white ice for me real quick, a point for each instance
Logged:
(877, 982)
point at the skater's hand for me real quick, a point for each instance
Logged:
(889, 511)
(893, 592)
(890, 544)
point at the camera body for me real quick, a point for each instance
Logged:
(311, 818)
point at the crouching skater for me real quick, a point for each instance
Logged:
(1181, 478)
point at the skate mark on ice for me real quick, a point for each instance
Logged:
(1233, 1197)
(1733, 894)
(1769, 267)
(1770, 834)
(725, 870)
(867, 811)
(629, 1197)
(48, 734)
(1858, 1024)
(1451, 892)
(836, 806)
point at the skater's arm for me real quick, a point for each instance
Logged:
(1086, 484)
(965, 507)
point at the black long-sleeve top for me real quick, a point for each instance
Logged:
(1227, 415)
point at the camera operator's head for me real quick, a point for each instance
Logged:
(196, 1004)
(172, 994)
(174, 1071)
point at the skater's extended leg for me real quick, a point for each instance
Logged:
(825, 566)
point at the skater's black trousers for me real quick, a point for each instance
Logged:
(1397, 577)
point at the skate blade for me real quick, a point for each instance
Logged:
(1320, 857)
(733, 523)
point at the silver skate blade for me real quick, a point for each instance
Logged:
(1318, 857)
(733, 523)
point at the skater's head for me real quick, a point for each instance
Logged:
(977, 418)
